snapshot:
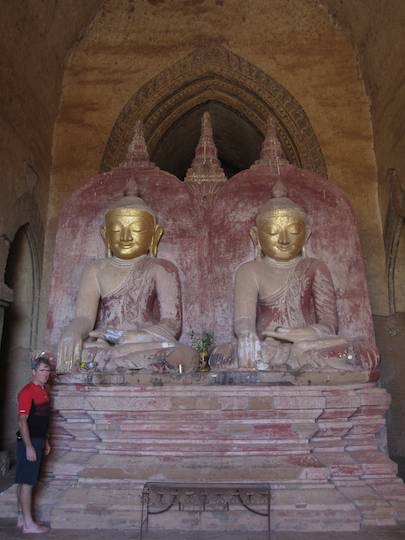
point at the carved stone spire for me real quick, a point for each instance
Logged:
(137, 153)
(272, 155)
(206, 167)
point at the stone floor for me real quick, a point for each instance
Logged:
(9, 532)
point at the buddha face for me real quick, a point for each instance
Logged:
(131, 232)
(280, 234)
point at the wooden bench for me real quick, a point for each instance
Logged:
(178, 491)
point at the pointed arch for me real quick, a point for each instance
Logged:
(214, 73)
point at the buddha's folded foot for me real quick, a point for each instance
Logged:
(223, 357)
(162, 366)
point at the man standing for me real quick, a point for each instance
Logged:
(32, 442)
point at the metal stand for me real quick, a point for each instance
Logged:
(202, 491)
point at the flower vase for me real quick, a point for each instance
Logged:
(203, 364)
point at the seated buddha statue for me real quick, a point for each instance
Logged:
(285, 315)
(128, 310)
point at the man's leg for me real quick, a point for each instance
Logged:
(29, 525)
(20, 519)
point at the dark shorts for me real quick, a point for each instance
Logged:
(27, 472)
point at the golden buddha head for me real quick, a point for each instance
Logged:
(281, 230)
(130, 229)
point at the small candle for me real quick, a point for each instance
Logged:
(180, 369)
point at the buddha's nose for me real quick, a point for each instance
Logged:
(126, 235)
(283, 237)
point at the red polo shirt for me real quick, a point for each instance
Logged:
(33, 401)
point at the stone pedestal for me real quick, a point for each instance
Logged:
(320, 447)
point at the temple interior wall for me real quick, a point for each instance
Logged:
(33, 44)
(67, 70)
(375, 29)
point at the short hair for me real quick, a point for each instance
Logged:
(40, 359)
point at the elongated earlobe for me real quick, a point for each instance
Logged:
(103, 233)
(155, 240)
(308, 233)
(255, 238)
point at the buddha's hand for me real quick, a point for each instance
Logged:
(294, 335)
(131, 336)
(69, 351)
(249, 350)
(121, 337)
(105, 337)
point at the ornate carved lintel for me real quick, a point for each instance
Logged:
(214, 73)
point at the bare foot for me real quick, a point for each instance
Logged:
(20, 520)
(34, 529)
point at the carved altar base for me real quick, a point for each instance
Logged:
(318, 446)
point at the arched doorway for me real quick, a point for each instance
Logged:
(20, 329)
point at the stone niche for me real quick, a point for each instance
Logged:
(320, 446)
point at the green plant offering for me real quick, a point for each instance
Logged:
(201, 343)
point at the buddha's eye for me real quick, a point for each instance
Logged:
(294, 228)
(137, 229)
(114, 226)
(272, 230)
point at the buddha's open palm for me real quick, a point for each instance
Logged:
(123, 337)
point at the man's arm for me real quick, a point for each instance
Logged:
(47, 447)
(25, 434)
